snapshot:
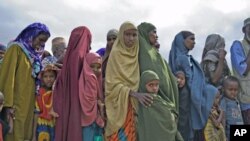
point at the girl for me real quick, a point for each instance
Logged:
(214, 130)
(155, 121)
(44, 120)
(91, 98)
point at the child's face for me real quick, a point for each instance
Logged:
(231, 89)
(96, 67)
(58, 51)
(48, 79)
(153, 86)
(180, 80)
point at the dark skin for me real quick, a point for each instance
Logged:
(219, 70)
(144, 98)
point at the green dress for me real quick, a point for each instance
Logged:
(18, 87)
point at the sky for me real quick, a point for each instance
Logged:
(202, 17)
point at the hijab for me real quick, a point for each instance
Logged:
(66, 93)
(122, 76)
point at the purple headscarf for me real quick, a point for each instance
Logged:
(25, 39)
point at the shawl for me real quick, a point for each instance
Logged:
(90, 92)
(25, 40)
(66, 93)
(122, 76)
(213, 43)
(151, 59)
(202, 94)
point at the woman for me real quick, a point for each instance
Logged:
(151, 59)
(121, 85)
(201, 94)
(67, 88)
(22, 64)
(213, 61)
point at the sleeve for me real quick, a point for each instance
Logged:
(238, 58)
(8, 74)
(223, 105)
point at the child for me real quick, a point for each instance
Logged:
(184, 102)
(214, 130)
(158, 121)
(91, 98)
(59, 50)
(44, 120)
(230, 104)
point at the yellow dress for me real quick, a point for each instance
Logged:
(18, 87)
(213, 133)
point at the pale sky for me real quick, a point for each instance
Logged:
(202, 17)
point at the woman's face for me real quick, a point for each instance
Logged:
(153, 37)
(130, 36)
(189, 42)
(39, 41)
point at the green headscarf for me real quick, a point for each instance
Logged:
(146, 77)
(151, 59)
(159, 121)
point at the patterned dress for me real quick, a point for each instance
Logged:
(45, 122)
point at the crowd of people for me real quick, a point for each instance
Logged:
(125, 91)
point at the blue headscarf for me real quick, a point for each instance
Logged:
(25, 39)
(202, 94)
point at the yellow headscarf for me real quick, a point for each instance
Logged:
(122, 75)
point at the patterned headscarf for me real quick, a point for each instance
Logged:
(25, 39)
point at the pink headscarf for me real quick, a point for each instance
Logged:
(90, 92)
(66, 94)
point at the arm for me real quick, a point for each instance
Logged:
(216, 75)
(144, 98)
(238, 59)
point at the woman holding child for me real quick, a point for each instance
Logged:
(151, 59)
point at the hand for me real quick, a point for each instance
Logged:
(53, 113)
(222, 53)
(144, 98)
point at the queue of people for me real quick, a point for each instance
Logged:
(126, 91)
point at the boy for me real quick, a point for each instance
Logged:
(230, 104)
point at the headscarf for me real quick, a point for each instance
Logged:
(202, 94)
(211, 50)
(66, 94)
(151, 59)
(167, 98)
(25, 40)
(122, 76)
(111, 33)
(146, 77)
(91, 91)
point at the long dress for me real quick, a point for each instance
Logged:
(16, 69)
